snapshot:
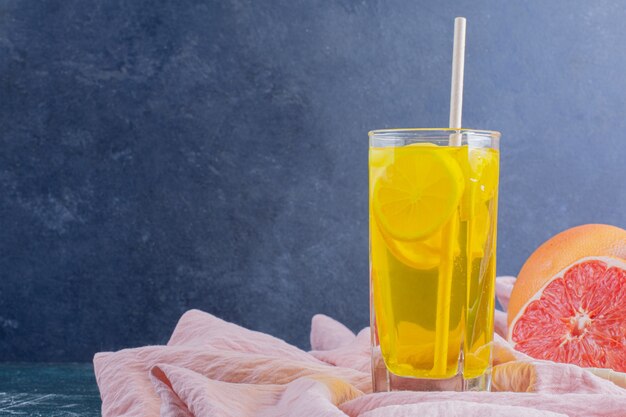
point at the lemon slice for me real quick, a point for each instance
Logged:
(423, 144)
(421, 254)
(417, 193)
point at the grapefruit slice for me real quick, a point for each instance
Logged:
(569, 302)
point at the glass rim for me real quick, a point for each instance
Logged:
(446, 130)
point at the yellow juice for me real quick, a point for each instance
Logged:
(432, 250)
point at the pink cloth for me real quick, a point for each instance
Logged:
(214, 368)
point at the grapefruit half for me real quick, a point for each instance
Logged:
(569, 301)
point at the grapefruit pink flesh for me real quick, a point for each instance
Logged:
(555, 255)
(578, 317)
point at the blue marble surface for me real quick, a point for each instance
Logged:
(157, 156)
(48, 390)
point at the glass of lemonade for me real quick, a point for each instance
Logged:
(433, 202)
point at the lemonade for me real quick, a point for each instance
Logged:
(432, 250)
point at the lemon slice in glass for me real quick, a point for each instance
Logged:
(420, 254)
(417, 193)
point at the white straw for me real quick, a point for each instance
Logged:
(456, 89)
(444, 279)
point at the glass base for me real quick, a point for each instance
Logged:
(384, 381)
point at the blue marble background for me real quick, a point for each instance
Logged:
(163, 155)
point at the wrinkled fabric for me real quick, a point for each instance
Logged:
(504, 286)
(214, 368)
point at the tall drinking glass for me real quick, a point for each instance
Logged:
(433, 198)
